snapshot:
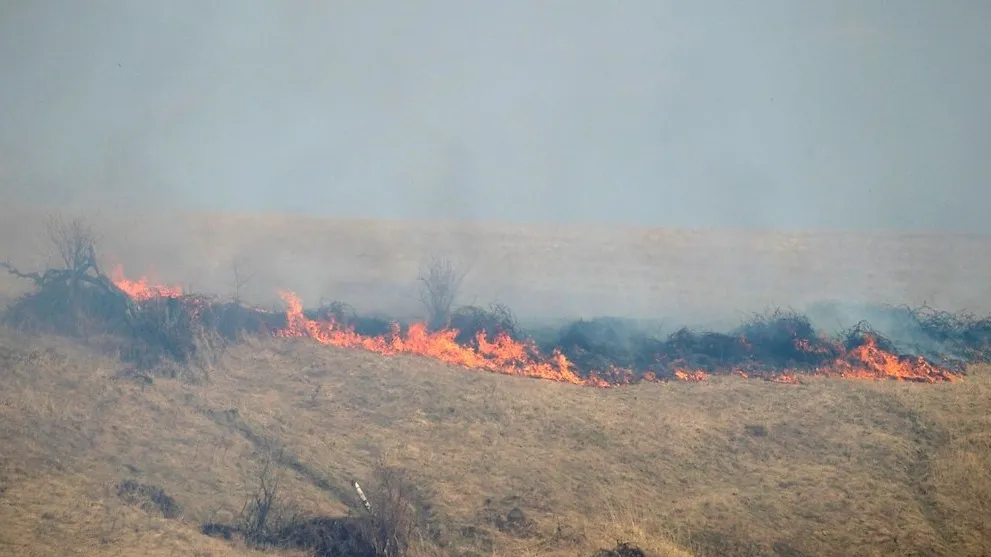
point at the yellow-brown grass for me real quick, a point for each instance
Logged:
(725, 467)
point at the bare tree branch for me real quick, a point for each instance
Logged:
(74, 243)
(440, 279)
(241, 276)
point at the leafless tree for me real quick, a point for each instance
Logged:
(73, 242)
(241, 276)
(440, 279)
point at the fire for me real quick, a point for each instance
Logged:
(503, 355)
(141, 289)
(869, 361)
(692, 376)
(506, 355)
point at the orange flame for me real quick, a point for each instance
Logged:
(141, 289)
(870, 361)
(508, 356)
(691, 376)
(502, 355)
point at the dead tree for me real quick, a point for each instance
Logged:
(73, 290)
(440, 279)
(241, 276)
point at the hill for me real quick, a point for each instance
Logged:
(101, 456)
(724, 467)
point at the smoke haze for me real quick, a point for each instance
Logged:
(514, 120)
(770, 114)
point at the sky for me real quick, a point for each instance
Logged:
(771, 114)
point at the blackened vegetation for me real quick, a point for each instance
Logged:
(83, 302)
(767, 345)
(601, 343)
(472, 321)
(948, 339)
(960, 336)
(343, 314)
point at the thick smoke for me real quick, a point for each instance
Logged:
(705, 114)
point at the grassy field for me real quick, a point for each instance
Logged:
(725, 467)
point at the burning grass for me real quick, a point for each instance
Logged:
(777, 346)
(162, 323)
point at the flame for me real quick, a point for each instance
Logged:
(140, 289)
(870, 361)
(511, 357)
(693, 376)
(505, 355)
(502, 355)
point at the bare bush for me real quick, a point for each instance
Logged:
(267, 513)
(440, 279)
(398, 518)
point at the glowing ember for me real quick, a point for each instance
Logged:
(141, 289)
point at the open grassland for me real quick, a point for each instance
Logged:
(725, 467)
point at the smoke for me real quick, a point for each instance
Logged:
(836, 114)
(686, 114)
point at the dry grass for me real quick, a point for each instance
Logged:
(728, 467)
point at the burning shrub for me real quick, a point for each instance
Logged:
(472, 320)
(785, 339)
(344, 315)
(334, 310)
(154, 324)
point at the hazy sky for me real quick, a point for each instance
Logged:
(703, 113)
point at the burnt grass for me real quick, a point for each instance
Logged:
(85, 303)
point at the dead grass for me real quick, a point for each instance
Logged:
(726, 467)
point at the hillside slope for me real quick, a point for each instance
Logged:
(725, 467)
